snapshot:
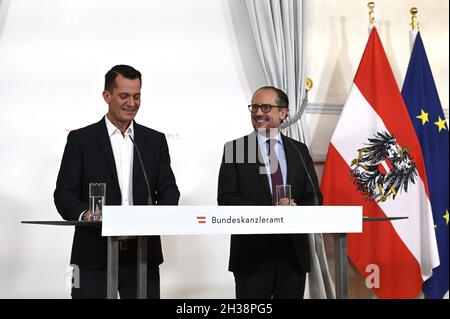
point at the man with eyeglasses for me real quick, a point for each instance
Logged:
(273, 265)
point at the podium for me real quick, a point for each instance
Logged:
(142, 221)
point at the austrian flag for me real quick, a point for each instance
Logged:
(375, 160)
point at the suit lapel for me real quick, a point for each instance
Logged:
(291, 163)
(105, 146)
(139, 140)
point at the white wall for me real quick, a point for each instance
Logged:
(199, 68)
(53, 57)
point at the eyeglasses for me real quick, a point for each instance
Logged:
(265, 108)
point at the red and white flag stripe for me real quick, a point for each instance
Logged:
(385, 166)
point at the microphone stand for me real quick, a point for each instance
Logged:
(341, 264)
(149, 198)
(142, 242)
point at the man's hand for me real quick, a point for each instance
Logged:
(88, 216)
(285, 202)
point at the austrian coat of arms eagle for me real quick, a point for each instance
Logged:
(383, 168)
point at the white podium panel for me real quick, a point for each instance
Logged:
(210, 220)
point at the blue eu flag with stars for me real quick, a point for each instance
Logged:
(425, 110)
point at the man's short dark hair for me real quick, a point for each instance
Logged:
(282, 98)
(126, 71)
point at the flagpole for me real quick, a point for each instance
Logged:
(371, 6)
(414, 26)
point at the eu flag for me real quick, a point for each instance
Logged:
(425, 110)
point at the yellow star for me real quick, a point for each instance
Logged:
(441, 124)
(423, 116)
(446, 217)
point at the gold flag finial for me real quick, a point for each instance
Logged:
(371, 6)
(309, 84)
(414, 21)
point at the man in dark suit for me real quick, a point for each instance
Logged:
(275, 265)
(104, 153)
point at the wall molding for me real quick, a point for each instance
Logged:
(324, 108)
(335, 109)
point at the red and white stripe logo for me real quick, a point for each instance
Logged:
(201, 219)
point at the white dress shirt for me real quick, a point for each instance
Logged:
(122, 147)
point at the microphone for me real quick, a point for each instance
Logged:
(149, 199)
(316, 199)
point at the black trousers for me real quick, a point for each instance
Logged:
(279, 276)
(92, 282)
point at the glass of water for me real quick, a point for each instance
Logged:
(97, 192)
(283, 195)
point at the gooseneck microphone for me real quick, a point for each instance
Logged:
(149, 199)
(316, 199)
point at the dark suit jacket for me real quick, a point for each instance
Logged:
(240, 183)
(88, 158)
